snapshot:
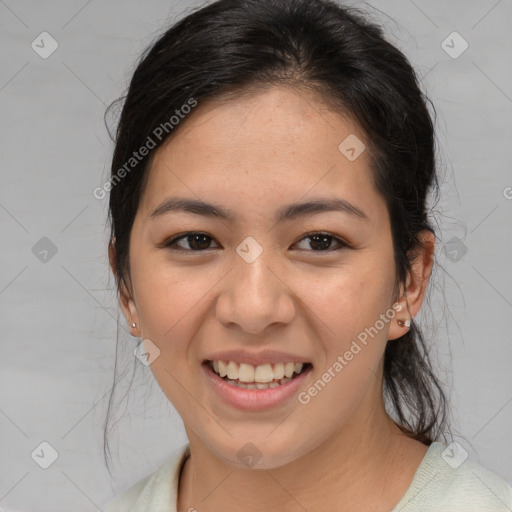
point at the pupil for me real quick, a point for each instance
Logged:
(204, 245)
(326, 238)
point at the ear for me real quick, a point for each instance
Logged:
(412, 295)
(126, 300)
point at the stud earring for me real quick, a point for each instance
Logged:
(404, 323)
(133, 324)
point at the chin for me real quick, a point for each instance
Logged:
(260, 454)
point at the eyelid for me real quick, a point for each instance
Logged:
(341, 242)
(176, 238)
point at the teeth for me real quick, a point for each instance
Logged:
(246, 373)
(278, 371)
(232, 370)
(222, 368)
(260, 375)
(258, 385)
(263, 373)
(289, 368)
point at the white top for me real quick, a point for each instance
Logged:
(443, 482)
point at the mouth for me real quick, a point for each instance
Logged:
(265, 376)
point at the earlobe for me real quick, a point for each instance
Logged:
(129, 311)
(125, 297)
(401, 323)
(416, 284)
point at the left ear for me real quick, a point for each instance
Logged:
(411, 297)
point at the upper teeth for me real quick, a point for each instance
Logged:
(262, 373)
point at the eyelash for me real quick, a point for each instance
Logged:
(170, 244)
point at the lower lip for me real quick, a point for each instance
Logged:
(254, 399)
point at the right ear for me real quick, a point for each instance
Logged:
(125, 297)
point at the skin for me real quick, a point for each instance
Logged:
(254, 154)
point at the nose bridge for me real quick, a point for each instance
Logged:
(253, 283)
(253, 296)
(254, 279)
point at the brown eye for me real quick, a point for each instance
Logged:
(196, 242)
(321, 242)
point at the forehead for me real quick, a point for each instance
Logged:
(275, 142)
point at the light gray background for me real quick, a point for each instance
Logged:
(58, 318)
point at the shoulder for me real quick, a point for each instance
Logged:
(446, 480)
(157, 491)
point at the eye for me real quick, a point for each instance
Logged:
(321, 242)
(197, 242)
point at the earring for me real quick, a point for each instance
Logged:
(404, 323)
(133, 324)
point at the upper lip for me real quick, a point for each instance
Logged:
(256, 358)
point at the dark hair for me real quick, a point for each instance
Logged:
(235, 45)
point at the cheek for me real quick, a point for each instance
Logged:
(171, 303)
(350, 341)
(349, 302)
(167, 298)
(352, 337)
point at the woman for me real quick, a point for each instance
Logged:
(272, 247)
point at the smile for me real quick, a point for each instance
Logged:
(249, 387)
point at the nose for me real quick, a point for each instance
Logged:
(254, 296)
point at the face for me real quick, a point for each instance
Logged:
(301, 287)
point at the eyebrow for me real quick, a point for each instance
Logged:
(286, 213)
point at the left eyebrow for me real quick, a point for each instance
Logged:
(295, 210)
(286, 213)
